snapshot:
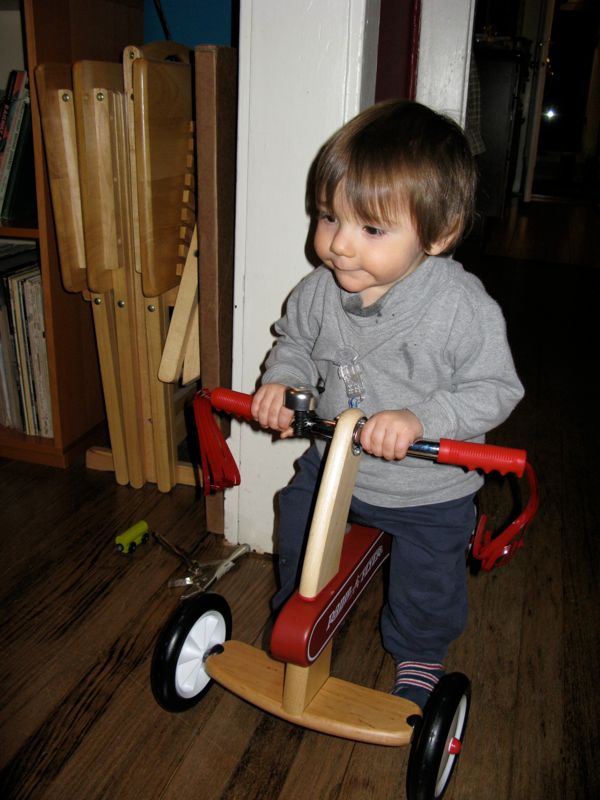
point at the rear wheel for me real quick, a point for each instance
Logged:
(438, 738)
(198, 626)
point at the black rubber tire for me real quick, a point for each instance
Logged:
(179, 689)
(430, 766)
(132, 547)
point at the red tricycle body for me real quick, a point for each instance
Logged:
(305, 625)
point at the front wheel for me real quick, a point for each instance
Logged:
(438, 738)
(178, 677)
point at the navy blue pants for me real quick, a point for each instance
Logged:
(426, 607)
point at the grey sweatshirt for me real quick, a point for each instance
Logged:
(435, 343)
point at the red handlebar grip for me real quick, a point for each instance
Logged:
(488, 457)
(237, 403)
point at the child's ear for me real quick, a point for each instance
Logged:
(445, 242)
(438, 247)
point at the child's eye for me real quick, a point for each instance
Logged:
(325, 216)
(371, 230)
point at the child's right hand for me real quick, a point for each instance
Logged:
(269, 411)
(389, 434)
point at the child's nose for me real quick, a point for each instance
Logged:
(341, 244)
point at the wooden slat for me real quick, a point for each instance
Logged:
(130, 54)
(102, 458)
(326, 534)
(106, 342)
(55, 91)
(128, 335)
(191, 370)
(91, 81)
(183, 327)
(162, 94)
(156, 323)
(103, 171)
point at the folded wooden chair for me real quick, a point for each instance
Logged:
(55, 91)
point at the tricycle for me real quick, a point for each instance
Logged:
(292, 681)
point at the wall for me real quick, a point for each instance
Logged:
(11, 42)
(192, 22)
(305, 68)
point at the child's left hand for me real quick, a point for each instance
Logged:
(389, 434)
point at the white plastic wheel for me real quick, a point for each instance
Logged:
(190, 676)
(198, 625)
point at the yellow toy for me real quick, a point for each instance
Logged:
(129, 540)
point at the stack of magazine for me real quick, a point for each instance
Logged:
(25, 403)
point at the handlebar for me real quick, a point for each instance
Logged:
(470, 455)
(488, 457)
(238, 404)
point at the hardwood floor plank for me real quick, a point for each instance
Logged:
(376, 771)
(326, 778)
(264, 765)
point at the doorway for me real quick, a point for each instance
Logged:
(552, 109)
(566, 164)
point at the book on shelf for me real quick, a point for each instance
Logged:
(11, 414)
(33, 303)
(17, 177)
(15, 283)
(19, 205)
(4, 109)
(25, 403)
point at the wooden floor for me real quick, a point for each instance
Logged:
(78, 721)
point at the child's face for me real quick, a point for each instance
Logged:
(366, 258)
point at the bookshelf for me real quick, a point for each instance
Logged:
(65, 31)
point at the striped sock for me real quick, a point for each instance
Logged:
(415, 680)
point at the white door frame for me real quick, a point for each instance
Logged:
(444, 55)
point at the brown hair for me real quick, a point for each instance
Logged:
(401, 156)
